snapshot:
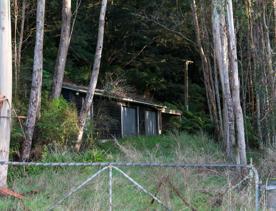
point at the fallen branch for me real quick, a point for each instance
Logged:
(8, 192)
(159, 185)
(167, 180)
(181, 197)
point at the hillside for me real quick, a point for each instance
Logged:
(197, 189)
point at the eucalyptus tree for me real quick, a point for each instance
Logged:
(224, 39)
(235, 88)
(35, 96)
(221, 54)
(261, 86)
(5, 87)
(94, 77)
(63, 48)
(21, 36)
(207, 72)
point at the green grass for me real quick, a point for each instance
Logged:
(181, 189)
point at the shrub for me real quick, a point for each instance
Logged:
(56, 155)
(194, 122)
(58, 123)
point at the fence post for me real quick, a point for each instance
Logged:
(110, 188)
(257, 181)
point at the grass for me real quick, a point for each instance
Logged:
(180, 189)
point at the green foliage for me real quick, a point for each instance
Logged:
(166, 147)
(17, 133)
(149, 57)
(89, 136)
(250, 132)
(90, 155)
(17, 137)
(52, 155)
(193, 122)
(58, 123)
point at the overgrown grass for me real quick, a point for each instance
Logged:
(179, 189)
(170, 148)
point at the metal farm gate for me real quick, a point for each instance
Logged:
(155, 186)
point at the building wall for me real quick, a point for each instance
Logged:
(106, 114)
(107, 118)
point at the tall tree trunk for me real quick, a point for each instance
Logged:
(15, 54)
(207, 73)
(253, 62)
(63, 48)
(221, 54)
(35, 96)
(271, 77)
(94, 77)
(236, 84)
(21, 37)
(5, 87)
(274, 13)
(217, 93)
(264, 77)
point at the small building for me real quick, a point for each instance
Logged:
(121, 116)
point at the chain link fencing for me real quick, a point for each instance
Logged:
(135, 186)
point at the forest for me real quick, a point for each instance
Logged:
(213, 61)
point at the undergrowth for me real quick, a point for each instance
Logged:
(180, 189)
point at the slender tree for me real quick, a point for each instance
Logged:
(63, 48)
(15, 53)
(5, 87)
(235, 83)
(35, 96)
(221, 53)
(207, 72)
(262, 89)
(94, 77)
(21, 36)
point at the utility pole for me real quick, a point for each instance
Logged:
(5, 87)
(186, 83)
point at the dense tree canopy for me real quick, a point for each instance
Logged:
(146, 45)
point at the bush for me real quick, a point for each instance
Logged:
(58, 123)
(194, 123)
(91, 155)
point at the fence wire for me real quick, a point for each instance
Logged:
(134, 186)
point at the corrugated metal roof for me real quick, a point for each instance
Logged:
(100, 92)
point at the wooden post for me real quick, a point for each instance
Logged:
(186, 82)
(5, 87)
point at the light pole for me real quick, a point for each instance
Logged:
(186, 83)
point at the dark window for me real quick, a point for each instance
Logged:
(129, 118)
(150, 123)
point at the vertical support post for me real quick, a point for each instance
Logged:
(257, 182)
(186, 84)
(159, 122)
(122, 119)
(257, 191)
(110, 188)
(5, 87)
(138, 120)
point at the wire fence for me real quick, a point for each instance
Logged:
(136, 186)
